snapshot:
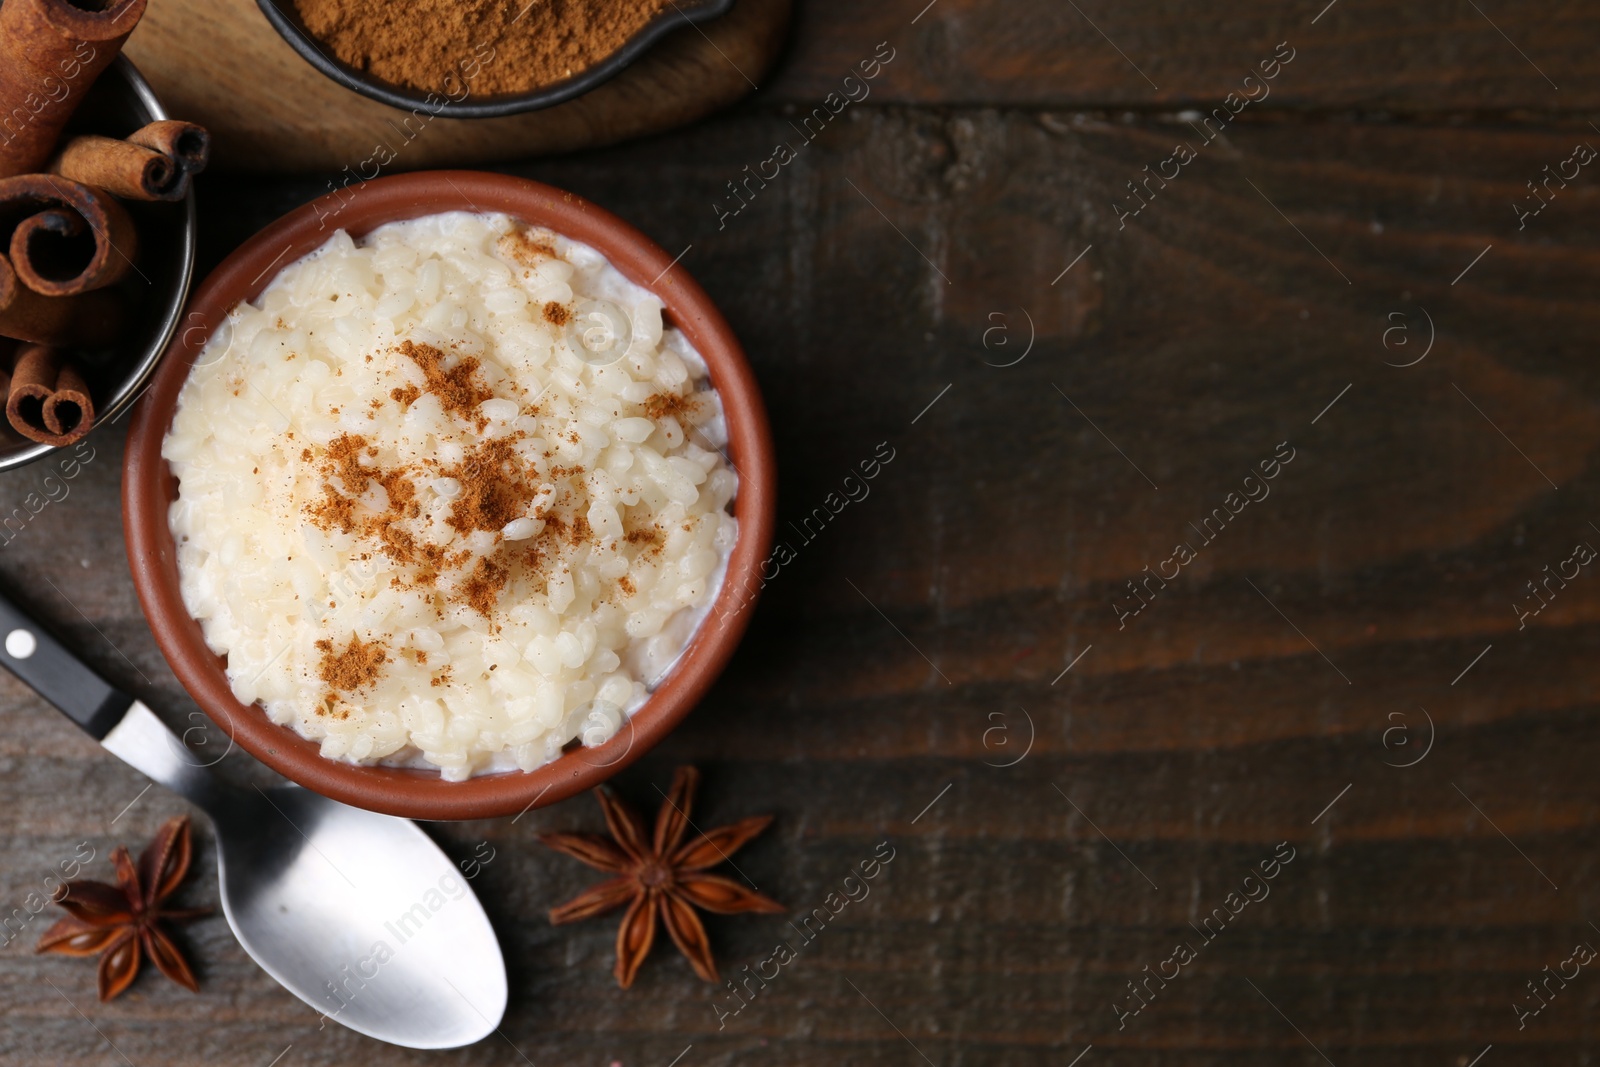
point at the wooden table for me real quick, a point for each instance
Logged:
(954, 664)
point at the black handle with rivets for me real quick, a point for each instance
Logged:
(28, 651)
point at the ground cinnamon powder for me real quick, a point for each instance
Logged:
(459, 388)
(491, 47)
(495, 488)
(354, 668)
(497, 484)
(661, 405)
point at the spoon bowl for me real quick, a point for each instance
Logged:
(361, 916)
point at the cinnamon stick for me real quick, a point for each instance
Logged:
(47, 400)
(187, 144)
(64, 237)
(90, 319)
(33, 379)
(121, 168)
(69, 414)
(51, 51)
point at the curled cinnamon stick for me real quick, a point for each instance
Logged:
(121, 168)
(51, 51)
(64, 237)
(33, 379)
(47, 400)
(69, 414)
(186, 143)
(90, 319)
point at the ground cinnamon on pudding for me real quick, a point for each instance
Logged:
(333, 511)
(482, 587)
(357, 667)
(345, 451)
(494, 488)
(526, 248)
(661, 405)
(481, 47)
(458, 387)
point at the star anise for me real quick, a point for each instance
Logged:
(118, 921)
(660, 875)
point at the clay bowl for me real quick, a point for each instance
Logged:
(284, 18)
(148, 488)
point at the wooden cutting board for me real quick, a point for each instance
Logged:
(219, 62)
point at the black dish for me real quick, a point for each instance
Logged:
(287, 23)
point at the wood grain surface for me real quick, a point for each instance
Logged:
(1364, 55)
(220, 63)
(954, 664)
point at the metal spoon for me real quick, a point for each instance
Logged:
(359, 915)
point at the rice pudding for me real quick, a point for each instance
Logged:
(450, 495)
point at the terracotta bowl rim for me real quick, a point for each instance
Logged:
(148, 488)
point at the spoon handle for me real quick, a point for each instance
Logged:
(129, 730)
(28, 651)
